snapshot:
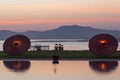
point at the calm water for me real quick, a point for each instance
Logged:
(65, 70)
(69, 44)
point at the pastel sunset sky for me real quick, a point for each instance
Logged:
(23, 15)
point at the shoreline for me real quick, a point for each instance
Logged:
(63, 55)
(23, 59)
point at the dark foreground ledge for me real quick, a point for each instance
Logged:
(63, 55)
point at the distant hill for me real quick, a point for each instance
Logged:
(6, 33)
(63, 32)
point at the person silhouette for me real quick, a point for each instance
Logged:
(59, 47)
(62, 47)
(56, 47)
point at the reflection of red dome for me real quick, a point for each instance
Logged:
(103, 66)
(16, 45)
(17, 65)
(103, 45)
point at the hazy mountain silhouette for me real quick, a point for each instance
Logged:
(63, 32)
(6, 33)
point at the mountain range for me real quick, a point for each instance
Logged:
(63, 32)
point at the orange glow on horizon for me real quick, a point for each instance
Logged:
(46, 14)
(48, 21)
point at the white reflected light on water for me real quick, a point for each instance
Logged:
(69, 44)
(66, 70)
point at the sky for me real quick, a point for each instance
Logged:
(23, 15)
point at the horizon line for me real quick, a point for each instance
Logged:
(60, 27)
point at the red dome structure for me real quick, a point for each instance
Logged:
(103, 45)
(16, 45)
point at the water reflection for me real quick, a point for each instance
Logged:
(55, 59)
(17, 66)
(55, 62)
(65, 70)
(55, 68)
(103, 66)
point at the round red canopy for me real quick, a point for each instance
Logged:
(103, 45)
(16, 45)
